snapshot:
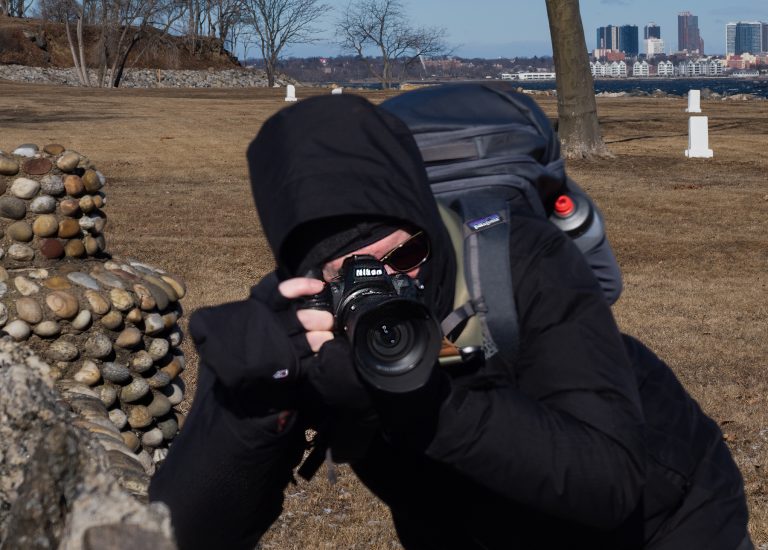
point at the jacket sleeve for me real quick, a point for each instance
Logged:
(564, 433)
(225, 474)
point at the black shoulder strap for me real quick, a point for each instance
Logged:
(489, 275)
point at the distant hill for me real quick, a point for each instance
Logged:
(39, 43)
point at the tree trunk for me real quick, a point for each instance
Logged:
(75, 61)
(81, 47)
(578, 125)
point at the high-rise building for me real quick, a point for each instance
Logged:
(765, 37)
(653, 47)
(744, 37)
(651, 30)
(688, 37)
(628, 42)
(608, 38)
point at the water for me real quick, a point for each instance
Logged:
(674, 86)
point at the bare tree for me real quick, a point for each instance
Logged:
(279, 23)
(578, 126)
(382, 26)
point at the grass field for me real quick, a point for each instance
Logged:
(690, 236)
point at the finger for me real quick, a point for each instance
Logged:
(300, 286)
(317, 338)
(315, 319)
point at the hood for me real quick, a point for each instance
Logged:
(333, 158)
(514, 124)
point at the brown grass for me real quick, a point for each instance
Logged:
(690, 236)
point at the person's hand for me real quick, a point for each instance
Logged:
(317, 324)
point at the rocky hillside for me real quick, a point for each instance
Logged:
(38, 43)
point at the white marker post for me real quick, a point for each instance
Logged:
(694, 101)
(290, 92)
(337, 91)
(698, 138)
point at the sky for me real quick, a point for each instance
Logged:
(511, 28)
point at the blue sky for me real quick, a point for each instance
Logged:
(509, 28)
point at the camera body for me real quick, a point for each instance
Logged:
(395, 338)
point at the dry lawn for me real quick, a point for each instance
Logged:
(690, 236)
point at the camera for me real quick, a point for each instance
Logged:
(395, 338)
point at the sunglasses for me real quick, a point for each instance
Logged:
(409, 254)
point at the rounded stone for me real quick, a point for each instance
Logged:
(107, 279)
(57, 282)
(153, 324)
(159, 380)
(82, 320)
(54, 149)
(118, 418)
(134, 316)
(25, 286)
(174, 392)
(52, 185)
(177, 285)
(8, 166)
(86, 204)
(173, 368)
(158, 348)
(73, 185)
(98, 200)
(3, 314)
(69, 228)
(43, 204)
(74, 249)
(19, 231)
(159, 406)
(92, 181)
(62, 304)
(47, 329)
(161, 298)
(38, 166)
(169, 319)
(45, 226)
(86, 223)
(176, 337)
(141, 361)
(3, 275)
(68, 161)
(97, 302)
(129, 338)
(51, 248)
(115, 372)
(26, 150)
(12, 208)
(121, 299)
(134, 391)
(25, 188)
(70, 207)
(139, 417)
(88, 374)
(112, 320)
(21, 252)
(166, 288)
(98, 345)
(169, 427)
(29, 310)
(152, 438)
(146, 300)
(92, 246)
(18, 330)
(62, 350)
(107, 394)
(131, 440)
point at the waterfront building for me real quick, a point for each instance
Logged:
(597, 68)
(665, 68)
(744, 37)
(618, 39)
(653, 47)
(536, 76)
(640, 68)
(651, 30)
(688, 37)
(617, 69)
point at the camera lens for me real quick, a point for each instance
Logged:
(390, 339)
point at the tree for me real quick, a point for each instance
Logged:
(382, 26)
(279, 23)
(578, 125)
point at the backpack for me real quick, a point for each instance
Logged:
(484, 147)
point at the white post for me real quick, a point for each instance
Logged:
(694, 101)
(290, 92)
(337, 91)
(698, 138)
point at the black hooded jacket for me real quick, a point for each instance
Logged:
(590, 442)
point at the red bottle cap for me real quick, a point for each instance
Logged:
(564, 206)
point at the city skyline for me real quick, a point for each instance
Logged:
(499, 28)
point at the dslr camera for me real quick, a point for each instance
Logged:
(395, 338)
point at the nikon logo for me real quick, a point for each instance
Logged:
(369, 272)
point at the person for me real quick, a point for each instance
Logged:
(589, 441)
